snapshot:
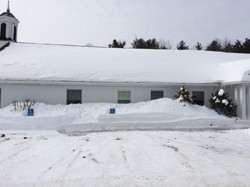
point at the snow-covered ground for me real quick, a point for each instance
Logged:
(198, 151)
(155, 158)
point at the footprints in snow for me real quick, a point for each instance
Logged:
(92, 158)
(207, 146)
(89, 155)
(172, 147)
(183, 159)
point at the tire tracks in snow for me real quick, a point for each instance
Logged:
(65, 160)
(183, 158)
(19, 151)
(6, 168)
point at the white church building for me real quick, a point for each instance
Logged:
(64, 74)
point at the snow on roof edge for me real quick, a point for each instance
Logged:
(39, 81)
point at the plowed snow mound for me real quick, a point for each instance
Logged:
(161, 114)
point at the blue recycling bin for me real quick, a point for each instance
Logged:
(219, 111)
(30, 112)
(112, 111)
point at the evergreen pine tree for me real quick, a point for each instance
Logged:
(139, 43)
(198, 46)
(215, 45)
(152, 44)
(183, 95)
(182, 46)
(238, 47)
(142, 44)
(221, 100)
(117, 44)
(228, 47)
(246, 46)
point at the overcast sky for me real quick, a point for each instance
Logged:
(100, 21)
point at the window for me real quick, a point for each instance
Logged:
(124, 96)
(3, 31)
(157, 94)
(198, 98)
(15, 33)
(74, 96)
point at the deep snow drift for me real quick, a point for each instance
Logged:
(152, 115)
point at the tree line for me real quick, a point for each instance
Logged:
(215, 45)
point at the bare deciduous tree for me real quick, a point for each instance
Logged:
(165, 44)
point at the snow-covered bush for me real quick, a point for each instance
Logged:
(221, 100)
(184, 96)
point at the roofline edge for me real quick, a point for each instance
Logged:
(96, 83)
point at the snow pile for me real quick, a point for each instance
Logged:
(89, 113)
(161, 110)
(157, 114)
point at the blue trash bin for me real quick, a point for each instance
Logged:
(112, 111)
(219, 111)
(30, 112)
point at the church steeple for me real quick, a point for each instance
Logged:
(8, 25)
(8, 8)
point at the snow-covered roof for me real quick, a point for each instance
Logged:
(42, 62)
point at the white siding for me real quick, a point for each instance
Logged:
(0, 97)
(242, 100)
(248, 103)
(56, 94)
(243, 103)
(46, 94)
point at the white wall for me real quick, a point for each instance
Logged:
(56, 94)
(46, 94)
(0, 96)
(248, 102)
(242, 99)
